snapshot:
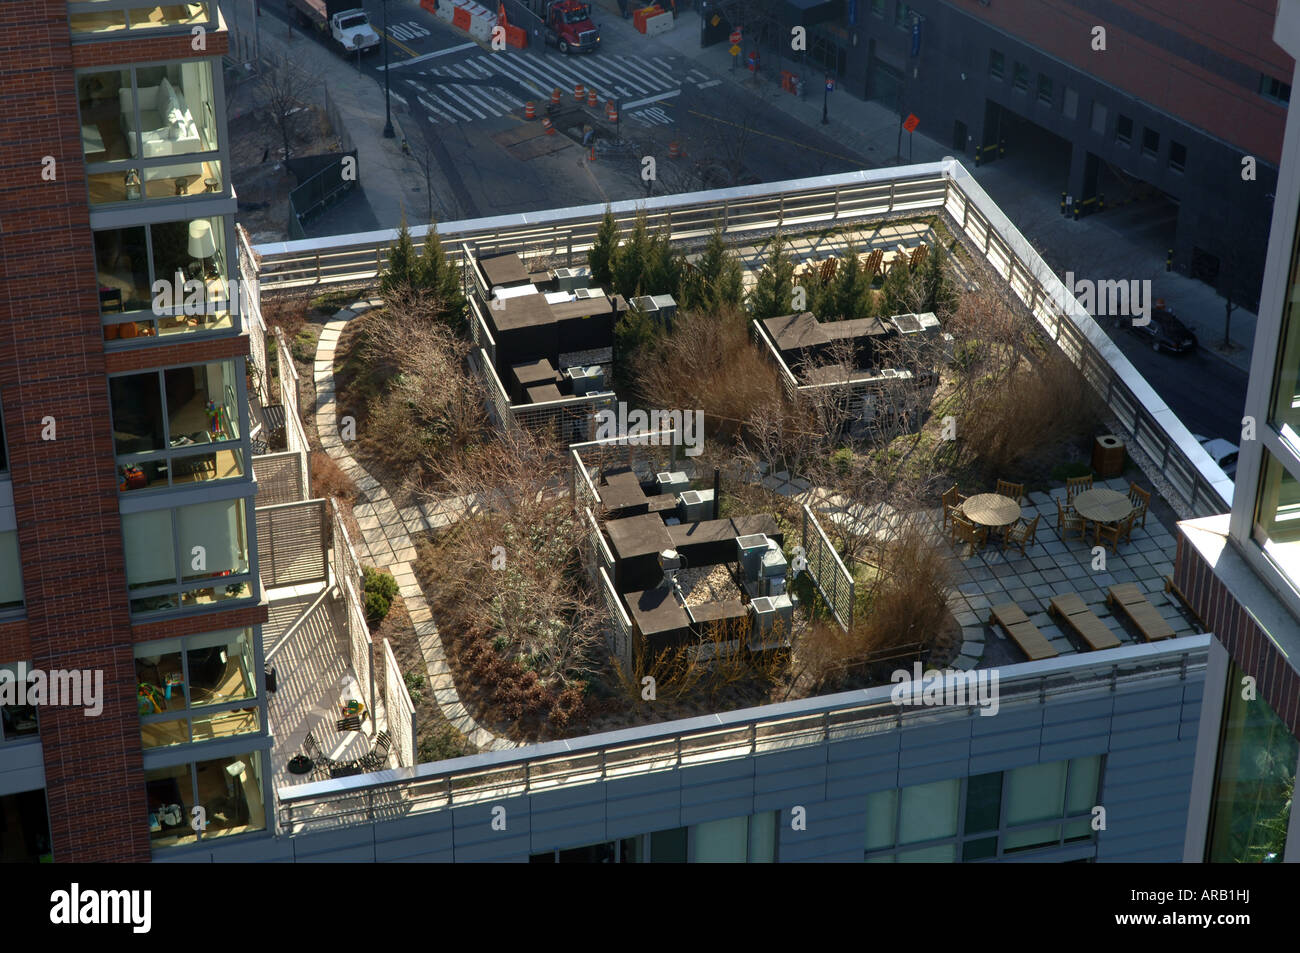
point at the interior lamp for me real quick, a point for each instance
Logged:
(202, 245)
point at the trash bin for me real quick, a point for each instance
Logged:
(1108, 456)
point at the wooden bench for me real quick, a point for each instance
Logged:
(1023, 632)
(1072, 611)
(1132, 602)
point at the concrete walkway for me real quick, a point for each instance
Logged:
(386, 536)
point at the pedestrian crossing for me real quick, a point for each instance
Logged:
(491, 84)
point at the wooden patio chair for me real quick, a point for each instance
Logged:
(1112, 534)
(919, 254)
(1013, 490)
(828, 269)
(1021, 535)
(1131, 602)
(871, 266)
(967, 532)
(950, 503)
(1076, 616)
(1068, 521)
(1076, 485)
(1141, 500)
(1020, 630)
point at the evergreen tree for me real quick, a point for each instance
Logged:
(635, 334)
(896, 292)
(438, 277)
(717, 280)
(850, 292)
(940, 295)
(627, 264)
(663, 266)
(402, 262)
(602, 251)
(771, 295)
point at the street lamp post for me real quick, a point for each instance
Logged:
(826, 93)
(388, 107)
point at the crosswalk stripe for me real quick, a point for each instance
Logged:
(636, 64)
(442, 112)
(489, 97)
(465, 100)
(528, 81)
(472, 96)
(604, 73)
(698, 75)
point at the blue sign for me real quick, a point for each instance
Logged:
(853, 12)
(916, 38)
(830, 86)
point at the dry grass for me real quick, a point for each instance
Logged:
(328, 478)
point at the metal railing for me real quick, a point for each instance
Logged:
(293, 543)
(279, 478)
(829, 575)
(343, 555)
(330, 805)
(295, 435)
(944, 188)
(399, 710)
(250, 307)
(567, 419)
(349, 580)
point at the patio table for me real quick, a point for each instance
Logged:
(991, 509)
(1103, 506)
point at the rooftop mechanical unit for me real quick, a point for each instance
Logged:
(773, 620)
(674, 482)
(586, 380)
(585, 294)
(695, 505)
(749, 553)
(774, 569)
(571, 279)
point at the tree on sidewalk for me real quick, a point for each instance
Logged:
(284, 85)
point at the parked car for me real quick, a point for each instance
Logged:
(1164, 331)
(1222, 452)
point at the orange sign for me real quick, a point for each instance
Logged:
(911, 123)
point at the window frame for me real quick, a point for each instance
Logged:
(183, 645)
(1122, 138)
(1020, 77)
(125, 6)
(997, 65)
(1046, 95)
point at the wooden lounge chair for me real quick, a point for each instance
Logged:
(1141, 500)
(1024, 633)
(1114, 533)
(1069, 522)
(951, 500)
(1076, 485)
(1013, 490)
(1075, 615)
(1128, 599)
(1022, 535)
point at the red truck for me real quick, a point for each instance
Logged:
(567, 24)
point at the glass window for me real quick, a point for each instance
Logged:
(1274, 89)
(1150, 143)
(162, 279)
(16, 721)
(165, 424)
(1035, 792)
(902, 15)
(162, 111)
(762, 838)
(1123, 129)
(1177, 156)
(1046, 93)
(1254, 781)
(878, 8)
(1277, 517)
(223, 795)
(178, 676)
(1286, 379)
(11, 572)
(722, 842)
(197, 553)
(1021, 77)
(169, 793)
(983, 802)
(928, 811)
(882, 816)
(1070, 105)
(938, 854)
(109, 16)
(668, 847)
(997, 64)
(1098, 121)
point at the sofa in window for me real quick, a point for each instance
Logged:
(167, 127)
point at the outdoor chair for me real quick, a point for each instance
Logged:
(1021, 535)
(1131, 602)
(1068, 522)
(1114, 533)
(950, 503)
(350, 723)
(1141, 500)
(1012, 619)
(1076, 616)
(321, 762)
(1076, 485)
(1013, 490)
(967, 532)
(377, 757)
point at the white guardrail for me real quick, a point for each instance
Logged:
(942, 188)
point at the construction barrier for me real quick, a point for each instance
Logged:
(548, 125)
(611, 112)
(639, 17)
(591, 156)
(445, 10)
(460, 17)
(674, 150)
(1169, 260)
(555, 96)
(592, 98)
(659, 23)
(429, 5)
(530, 110)
(579, 93)
(516, 37)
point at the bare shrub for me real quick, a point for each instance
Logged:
(328, 478)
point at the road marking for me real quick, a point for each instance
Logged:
(402, 46)
(443, 107)
(698, 75)
(711, 83)
(759, 132)
(653, 99)
(429, 56)
(654, 116)
(400, 98)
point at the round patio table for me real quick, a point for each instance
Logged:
(1103, 506)
(991, 509)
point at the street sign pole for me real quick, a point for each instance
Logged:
(826, 92)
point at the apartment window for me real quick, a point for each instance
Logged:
(177, 426)
(1274, 89)
(1285, 417)
(736, 840)
(187, 556)
(16, 721)
(1150, 143)
(1046, 94)
(902, 16)
(1254, 781)
(1123, 129)
(1020, 76)
(229, 790)
(1177, 156)
(11, 573)
(1277, 517)
(997, 64)
(143, 128)
(166, 278)
(1097, 121)
(984, 816)
(197, 688)
(1070, 104)
(878, 8)
(116, 16)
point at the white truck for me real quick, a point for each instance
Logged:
(344, 20)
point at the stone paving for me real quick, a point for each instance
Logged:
(1051, 567)
(386, 535)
